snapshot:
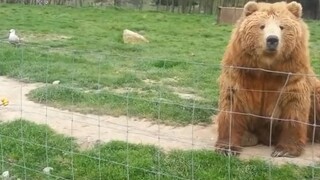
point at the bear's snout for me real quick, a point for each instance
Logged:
(272, 43)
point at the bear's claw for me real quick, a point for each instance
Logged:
(276, 153)
(227, 150)
(281, 151)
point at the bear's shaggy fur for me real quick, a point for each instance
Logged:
(267, 85)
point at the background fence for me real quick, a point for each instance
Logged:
(311, 7)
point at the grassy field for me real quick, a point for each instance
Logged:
(175, 73)
(26, 149)
(172, 79)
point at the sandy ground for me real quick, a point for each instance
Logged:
(90, 129)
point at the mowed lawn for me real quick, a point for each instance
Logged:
(172, 79)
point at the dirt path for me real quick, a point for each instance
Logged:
(85, 128)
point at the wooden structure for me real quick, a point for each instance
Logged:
(228, 15)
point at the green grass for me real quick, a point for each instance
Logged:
(83, 48)
(26, 148)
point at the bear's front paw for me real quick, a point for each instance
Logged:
(286, 151)
(227, 150)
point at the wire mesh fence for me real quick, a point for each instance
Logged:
(94, 129)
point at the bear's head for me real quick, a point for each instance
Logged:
(271, 30)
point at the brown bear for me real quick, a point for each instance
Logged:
(267, 84)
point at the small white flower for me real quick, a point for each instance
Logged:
(47, 170)
(5, 175)
(56, 82)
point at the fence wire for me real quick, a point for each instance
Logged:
(103, 128)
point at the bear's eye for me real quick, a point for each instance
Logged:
(262, 26)
(281, 27)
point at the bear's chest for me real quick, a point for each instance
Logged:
(262, 82)
(260, 91)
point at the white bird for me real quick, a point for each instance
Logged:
(13, 38)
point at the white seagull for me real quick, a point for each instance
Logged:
(13, 38)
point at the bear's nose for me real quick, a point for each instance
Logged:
(272, 42)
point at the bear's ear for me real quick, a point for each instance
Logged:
(250, 8)
(295, 8)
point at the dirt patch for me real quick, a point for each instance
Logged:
(90, 129)
(185, 93)
(44, 37)
(182, 92)
(188, 96)
(170, 80)
(150, 81)
(122, 91)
